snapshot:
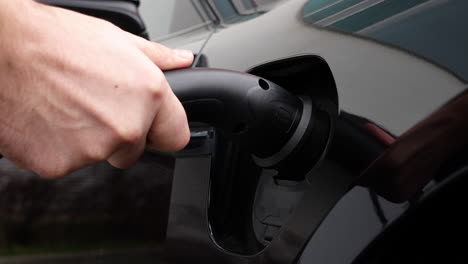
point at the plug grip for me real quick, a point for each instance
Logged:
(237, 102)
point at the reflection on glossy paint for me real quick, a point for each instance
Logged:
(433, 29)
(98, 208)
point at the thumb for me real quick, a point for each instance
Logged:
(165, 58)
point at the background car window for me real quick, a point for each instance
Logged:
(175, 18)
(428, 28)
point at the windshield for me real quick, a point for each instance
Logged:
(174, 18)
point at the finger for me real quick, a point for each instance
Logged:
(127, 155)
(165, 58)
(170, 130)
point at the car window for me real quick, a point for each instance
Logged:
(428, 28)
(175, 18)
(231, 13)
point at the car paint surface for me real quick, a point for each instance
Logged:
(385, 84)
(389, 85)
(428, 28)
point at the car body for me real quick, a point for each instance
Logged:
(382, 64)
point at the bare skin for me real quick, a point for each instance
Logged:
(76, 90)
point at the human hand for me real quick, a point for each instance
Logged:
(77, 90)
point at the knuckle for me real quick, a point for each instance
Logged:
(129, 134)
(155, 84)
(183, 141)
(184, 138)
(97, 154)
